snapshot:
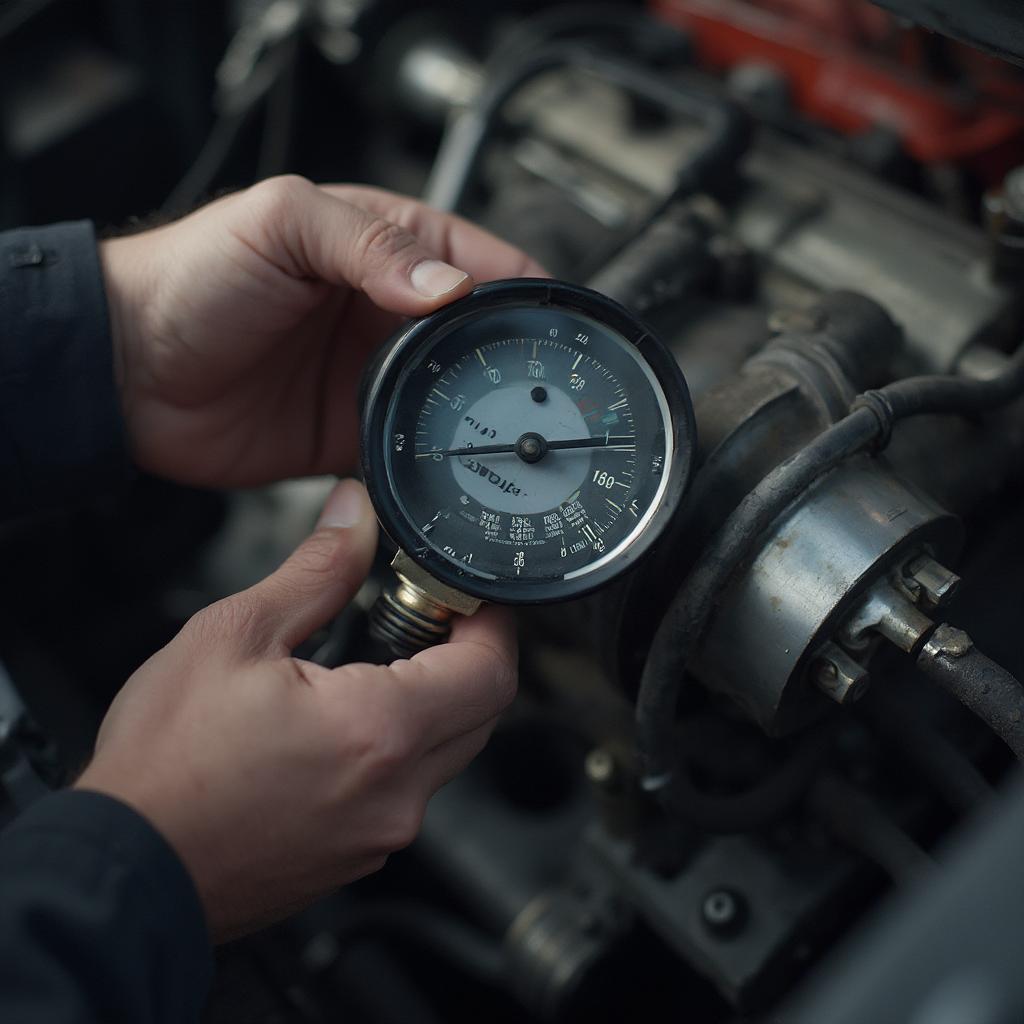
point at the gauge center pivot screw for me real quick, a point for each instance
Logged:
(531, 447)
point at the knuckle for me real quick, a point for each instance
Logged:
(378, 242)
(278, 196)
(374, 736)
(388, 751)
(403, 825)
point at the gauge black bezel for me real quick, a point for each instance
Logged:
(382, 377)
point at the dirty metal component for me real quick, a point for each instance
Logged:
(838, 676)
(614, 787)
(890, 614)
(932, 584)
(853, 528)
(823, 222)
(665, 262)
(784, 919)
(947, 642)
(800, 383)
(555, 944)
(725, 912)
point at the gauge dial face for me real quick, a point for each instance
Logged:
(527, 445)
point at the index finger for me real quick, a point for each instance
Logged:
(483, 256)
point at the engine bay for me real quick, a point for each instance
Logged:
(807, 203)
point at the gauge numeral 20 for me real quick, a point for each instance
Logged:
(603, 479)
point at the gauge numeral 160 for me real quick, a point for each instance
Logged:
(603, 479)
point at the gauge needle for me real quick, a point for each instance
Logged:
(497, 449)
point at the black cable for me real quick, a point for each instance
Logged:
(986, 688)
(727, 128)
(763, 803)
(867, 425)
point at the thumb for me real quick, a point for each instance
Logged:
(339, 242)
(320, 577)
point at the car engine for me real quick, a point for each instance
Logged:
(770, 775)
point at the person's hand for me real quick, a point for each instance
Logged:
(241, 331)
(275, 779)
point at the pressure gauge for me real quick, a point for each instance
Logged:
(525, 444)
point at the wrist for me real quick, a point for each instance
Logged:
(124, 280)
(149, 806)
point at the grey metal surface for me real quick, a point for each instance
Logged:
(831, 226)
(946, 951)
(847, 532)
(784, 910)
(818, 223)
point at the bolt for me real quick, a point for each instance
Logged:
(838, 676)
(935, 583)
(724, 912)
(600, 767)
(539, 394)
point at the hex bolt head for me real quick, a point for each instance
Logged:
(724, 912)
(935, 582)
(838, 676)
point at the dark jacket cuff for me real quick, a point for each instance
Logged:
(99, 919)
(62, 437)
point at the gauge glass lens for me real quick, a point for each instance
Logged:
(528, 444)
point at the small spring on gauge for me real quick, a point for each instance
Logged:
(408, 620)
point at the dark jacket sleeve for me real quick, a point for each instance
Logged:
(61, 433)
(99, 921)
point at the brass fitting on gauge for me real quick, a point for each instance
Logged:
(417, 613)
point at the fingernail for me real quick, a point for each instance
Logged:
(433, 278)
(345, 506)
